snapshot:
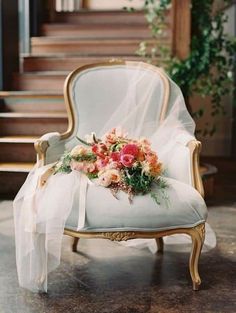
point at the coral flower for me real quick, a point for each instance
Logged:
(100, 150)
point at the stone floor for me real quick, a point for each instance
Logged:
(106, 277)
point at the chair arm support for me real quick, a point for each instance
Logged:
(195, 148)
(43, 143)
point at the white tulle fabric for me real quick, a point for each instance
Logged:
(124, 96)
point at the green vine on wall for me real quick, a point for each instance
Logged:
(209, 68)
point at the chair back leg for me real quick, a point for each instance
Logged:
(160, 245)
(75, 243)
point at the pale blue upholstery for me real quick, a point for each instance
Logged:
(104, 212)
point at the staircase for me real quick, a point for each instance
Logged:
(36, 105)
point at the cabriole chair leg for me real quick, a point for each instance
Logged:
(198, 235)
(160, 245)
(75, 242)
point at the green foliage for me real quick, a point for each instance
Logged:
(160, 194)
(140, 182)
(64, 164)
(208, 70)
(92, 175)
(90, 157)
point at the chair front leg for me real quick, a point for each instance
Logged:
(198, 235)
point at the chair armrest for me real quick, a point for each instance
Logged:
(50, 147)
(194, 149)
(183, 161)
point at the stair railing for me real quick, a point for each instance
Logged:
(24, 25)
(68, 5)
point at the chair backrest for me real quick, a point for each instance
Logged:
(94, 92)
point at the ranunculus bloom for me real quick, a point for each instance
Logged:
(85, 167)
(127, 160)
(151, 158)
(114, 165)
(101, 163)
(78, 150)
(115, 156)
(77, 166)
(155, 170)
(89, 167)
(141, 156)
(130, 149)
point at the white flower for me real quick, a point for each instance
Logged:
(104, 180)
(90, 138)
(78, 150)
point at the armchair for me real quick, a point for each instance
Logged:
(94, 88)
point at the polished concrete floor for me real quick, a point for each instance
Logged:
(106, 277)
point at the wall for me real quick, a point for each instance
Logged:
(220, 144)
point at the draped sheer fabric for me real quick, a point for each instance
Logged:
(126, 96)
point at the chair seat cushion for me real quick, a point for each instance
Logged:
(184, 207)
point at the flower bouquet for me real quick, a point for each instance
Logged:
(116, 162)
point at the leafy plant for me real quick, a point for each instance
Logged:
(139, 181)
(208, 70)
(63, 166)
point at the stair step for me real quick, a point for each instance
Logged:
(18, 139)
(30, 94)
(35, 124)
(17, 149)
(97, 31)
(12, 101)
(23, 167)
(61, 62)
(53, 81)
(32, 115)
(12, 177)
(115, 47)
(11, 181)
(101, 17)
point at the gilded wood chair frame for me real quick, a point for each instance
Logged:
(196, 233)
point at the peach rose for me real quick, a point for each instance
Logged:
(105, 178)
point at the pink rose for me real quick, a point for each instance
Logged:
(127, 160)
(130, 149)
